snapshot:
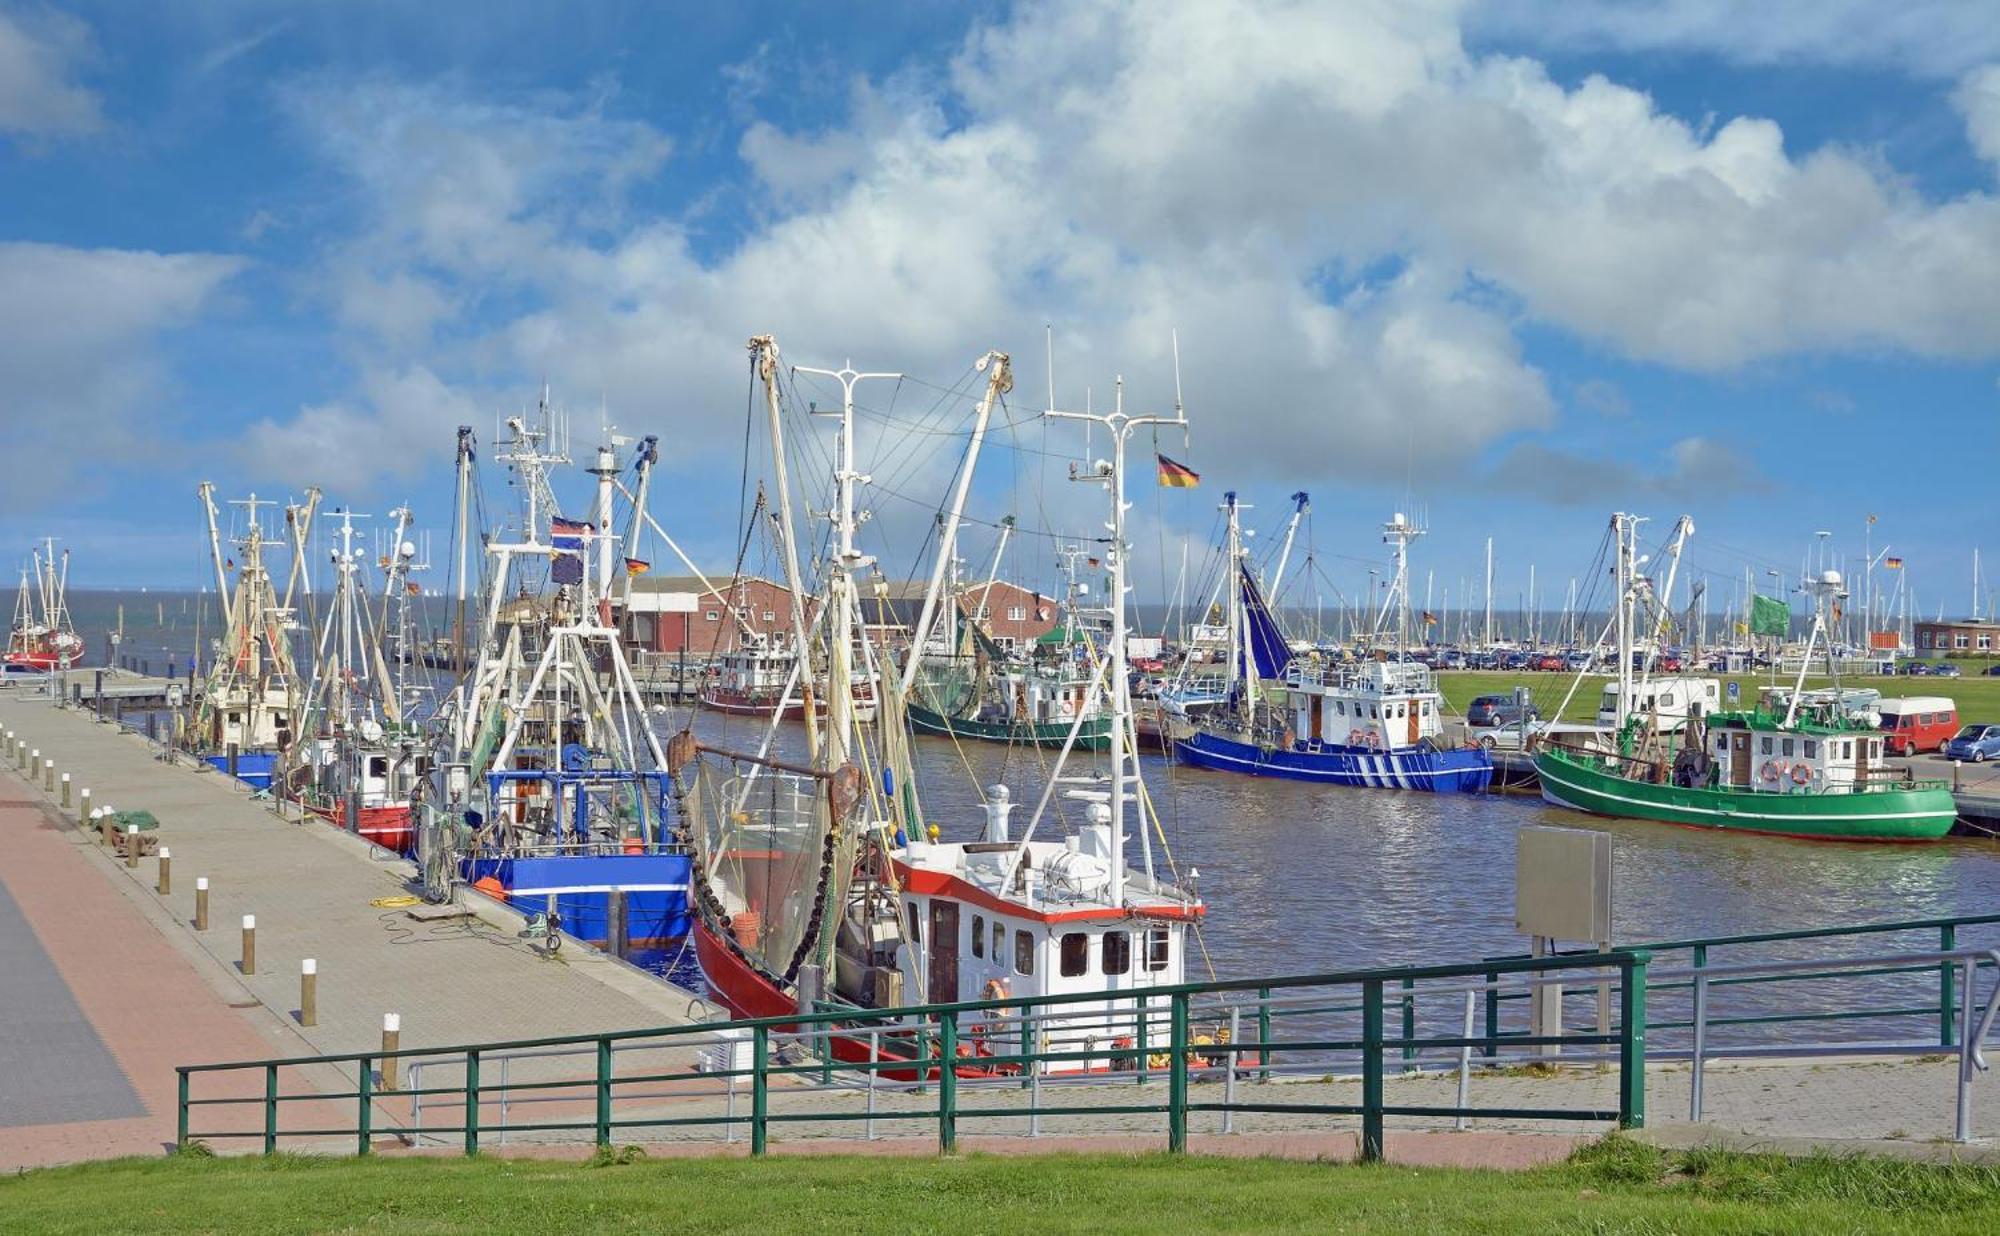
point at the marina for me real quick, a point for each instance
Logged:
(1100, 616)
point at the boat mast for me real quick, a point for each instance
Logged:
(207, 492)
(999, 380)
(1397, 534)
(1301, 506)
(464, 469)
(1119, 427)
(1623, 527)
(1233, 550)
(846, 561)
(764, 348)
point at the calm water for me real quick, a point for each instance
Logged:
(1303, 878)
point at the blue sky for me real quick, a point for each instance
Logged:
(1512, 265)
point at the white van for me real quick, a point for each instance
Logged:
(1671, 701)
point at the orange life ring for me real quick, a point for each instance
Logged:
(995, 989)
(1770, 773)
(1801, 774)
(1357, 738)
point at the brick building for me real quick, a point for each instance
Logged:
(1969, 635)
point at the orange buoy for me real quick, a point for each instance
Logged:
(491, 887)
(746, 925)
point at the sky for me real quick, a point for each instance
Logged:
(1508, 266)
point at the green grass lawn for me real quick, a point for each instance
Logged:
(1614, 1186)
(1978, 697)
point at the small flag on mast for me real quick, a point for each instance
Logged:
(567, 533)
(1177, 475)
(1892, 564)
(637, 566)
(1430, 619)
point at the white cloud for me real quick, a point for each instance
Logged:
(1242, 171)
(39, 53)
(1692, 470)
(1978, 99)
(390, 433)
(78, 342)
(1936, 38)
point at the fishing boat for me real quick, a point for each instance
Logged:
(548, 786)
(977, 691)
(1791, 767)
(1376, 722)
(247, 715)
(42, 639)
(359, 763)
(818, 889)
(760, 680)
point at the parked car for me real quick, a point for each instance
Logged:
(1514, 661)
(1976, 743)
(1548, 661)
(1947, 669)
(1993, 671)
(1917, 723)
(1577, 660)
(1487, 711)
(1455, 660)
(1916, 669)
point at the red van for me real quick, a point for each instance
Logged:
(1919, 723)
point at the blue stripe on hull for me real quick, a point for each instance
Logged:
(253, 768)
(656, 900)
(1443, 771)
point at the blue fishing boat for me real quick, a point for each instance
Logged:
(1375, 722)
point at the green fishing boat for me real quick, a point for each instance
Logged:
(1750, 772)
(1795, 766)
(1094, 736)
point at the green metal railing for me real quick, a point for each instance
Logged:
(920, 1039)
(1947, 1008)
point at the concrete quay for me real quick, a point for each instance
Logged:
(119, 986)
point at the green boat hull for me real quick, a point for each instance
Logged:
(1095, 736)
(1886, 814)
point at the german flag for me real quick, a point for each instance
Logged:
(1892, 564)
(1430, 619)
(637, 566)
(1177, 475)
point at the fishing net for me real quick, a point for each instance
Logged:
(769, 847)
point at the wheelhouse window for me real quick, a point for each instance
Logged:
(1075, 954)
(1812, 749)
(999, 942)
(1117, 952)
(916, 925)
(979, 935)
(1024, 952)
(1765, 744)
(378, 765)
(1788, 746)
(1159, 948)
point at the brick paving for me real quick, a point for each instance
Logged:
(147, 983)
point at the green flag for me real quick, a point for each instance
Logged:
(1770, 616)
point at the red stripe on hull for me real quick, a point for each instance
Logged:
(388, 827)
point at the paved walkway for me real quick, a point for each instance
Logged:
(310, 888)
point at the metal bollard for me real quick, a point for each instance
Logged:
(249, 944)
(166, 882)
(65, 790)
(49, 775)
(201, 903)
(392, 1039)
(131, 845)
(83, 803)
(309, 992)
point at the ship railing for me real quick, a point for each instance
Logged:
(1190, 1047)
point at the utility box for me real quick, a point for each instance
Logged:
(1562, 884)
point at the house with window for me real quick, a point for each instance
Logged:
(674, 615)
(1971, 636)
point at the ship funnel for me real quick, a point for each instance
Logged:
(999, 806)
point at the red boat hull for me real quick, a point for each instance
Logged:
(388, 827)
(43, 662)
(746, 993)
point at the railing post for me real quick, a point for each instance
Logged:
(1141, 1037)
(1263, 1034)
(364, 1121)
(1632, 1041)
(1371, 1070)
(604, 1092)
(1700, 1046)
(1947, 984)
(760, 1083)
(1492, 1048)
(1409, 1025)
(270, 1109)
(471, 1101)
(1967, 1057)
(1231, 1060)
(947, 1082)
(1177, 1076)
(181, 1118)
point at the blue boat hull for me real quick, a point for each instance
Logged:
(655, 887)
(253, 768)
(1444, 770)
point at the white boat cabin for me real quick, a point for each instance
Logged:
(995, 919)
(1038, 695)
(1380, 705)
(1795, 761)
